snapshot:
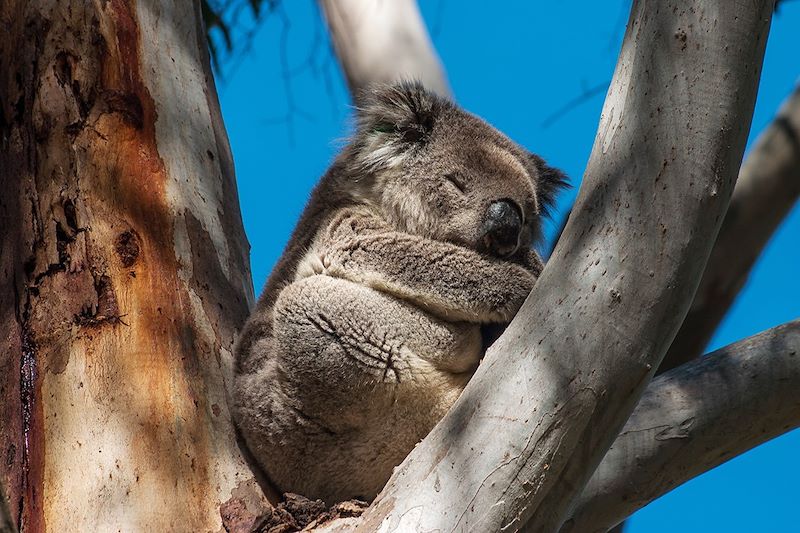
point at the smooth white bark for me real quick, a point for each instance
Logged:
(694, 418)
(383, 41)
(554, 391)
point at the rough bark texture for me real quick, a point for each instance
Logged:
(126, 265)
(694, 418)
(554, 391)
(6, 522)
(768, 187)
(380, 41)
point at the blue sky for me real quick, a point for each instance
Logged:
(514, 66)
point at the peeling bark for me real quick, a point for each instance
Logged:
(383, 42)
(767, 189)
(693, 419)
(123, 248)
(554, 391)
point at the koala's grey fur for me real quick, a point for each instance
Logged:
(371, 323)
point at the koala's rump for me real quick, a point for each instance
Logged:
(356, 378)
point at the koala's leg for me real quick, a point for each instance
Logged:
(357, 379)
(339, 330)
(445, 279)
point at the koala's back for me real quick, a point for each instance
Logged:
(323, 202)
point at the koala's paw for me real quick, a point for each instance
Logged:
(313, 264)
(516, 289)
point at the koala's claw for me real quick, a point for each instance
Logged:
(312, 265)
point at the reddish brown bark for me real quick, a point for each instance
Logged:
(129, 279)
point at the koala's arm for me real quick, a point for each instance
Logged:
(446, 280)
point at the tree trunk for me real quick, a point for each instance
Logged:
(127, 265)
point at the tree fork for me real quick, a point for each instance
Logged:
(554, 391)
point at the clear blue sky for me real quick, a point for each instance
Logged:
(514, 63)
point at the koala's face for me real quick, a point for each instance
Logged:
(442, 173)
(467, 184)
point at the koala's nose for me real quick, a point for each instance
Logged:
(502, 228)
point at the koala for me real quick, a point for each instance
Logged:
(414, 245)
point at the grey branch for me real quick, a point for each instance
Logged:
(694, 418)
(383, 41)
(554, 391)
(768, 187)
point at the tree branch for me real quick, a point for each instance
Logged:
(768, 187)
(554, 391)
(379, 41)
(693, 419)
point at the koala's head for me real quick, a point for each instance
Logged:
(437, 171)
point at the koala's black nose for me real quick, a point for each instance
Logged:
(502, 228)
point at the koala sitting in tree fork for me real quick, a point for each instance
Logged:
(416, 241)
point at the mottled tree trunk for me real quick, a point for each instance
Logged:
(124, 272)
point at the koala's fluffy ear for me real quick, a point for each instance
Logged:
(393, 120)
(551, 181)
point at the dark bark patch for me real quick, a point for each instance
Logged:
(241, 513)
(128, 105)
(128, 247)
(31, 502)
(67, 70)
(236, 518)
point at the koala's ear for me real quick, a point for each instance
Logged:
(551, 181)
(392, 120)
